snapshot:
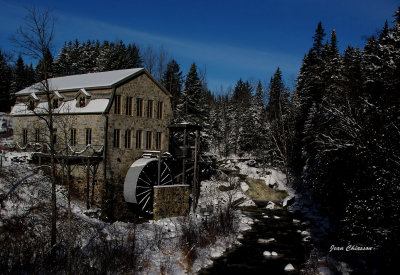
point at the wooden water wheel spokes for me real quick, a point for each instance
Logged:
(140, 181)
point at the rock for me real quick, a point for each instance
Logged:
(289, 200)
(305, 233)
(270, 205)
(289, 267)
(306, 239)
(265, 241)
(272, 185)
(323, 270)
(267, 254)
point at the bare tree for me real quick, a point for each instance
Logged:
(35, 38)
(162, 59)
(155, 61)
(149, 59)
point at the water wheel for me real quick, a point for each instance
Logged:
(142, 176)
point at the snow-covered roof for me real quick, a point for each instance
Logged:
(83, 91)
(34, 96)
(57, 93)
(87, 81)
(68, 107)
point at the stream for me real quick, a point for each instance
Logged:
(249, 259)
(274, 230)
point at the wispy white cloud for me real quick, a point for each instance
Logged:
(225, 63)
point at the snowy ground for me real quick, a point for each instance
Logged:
(158, 240)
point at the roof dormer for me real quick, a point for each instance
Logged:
(58, 95)
(82, 98)
(33, 100)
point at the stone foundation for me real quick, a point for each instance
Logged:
(171, 201)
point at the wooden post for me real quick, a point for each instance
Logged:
(93, 182)
(159, 169)
(69, 218)
(62, 170)
(195, 171)
(184, 155)
(87, 183)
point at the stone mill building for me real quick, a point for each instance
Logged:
(104, 121)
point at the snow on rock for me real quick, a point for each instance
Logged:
(289, 267)
(289, 200)
(276, 217)
(266, 241)
(270, 205)
(323, 270)
(244, 186)
(267, 254)
(216, 252)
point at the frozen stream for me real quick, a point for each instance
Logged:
(288, 242)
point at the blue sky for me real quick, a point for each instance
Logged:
(229, 39)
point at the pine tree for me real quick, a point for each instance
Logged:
(240, 116)
(18, 79)
(309, 91)
(257, 120)
(172, 80)
(5, 83)
(190, 108)
(48, 58)
(318, 40)
(276, 96)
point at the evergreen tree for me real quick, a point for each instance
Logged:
(190, 108)
(18, 79)
(240, 116)
(48, 58)
(257, 120)
(276, 96)
(309, 91)
(5, 83)
(172, 80)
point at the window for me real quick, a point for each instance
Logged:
(55, 103)
(37, 135)
(150, 108)
(72, 140)
(138, 139)
(128, 106)
(117, 136)
(82, 101)
(148, 139)
(139, 107)
(158, 140)
(54, 135)
(160, 110)
(88, 137)
(31, 106)
(128, 139)
(24, 136)
(117, 105)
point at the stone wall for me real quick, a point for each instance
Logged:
(119, 158)
(171, 201)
